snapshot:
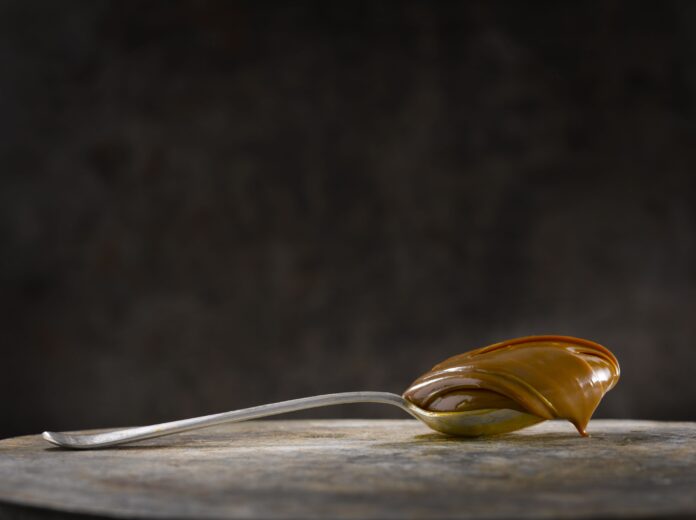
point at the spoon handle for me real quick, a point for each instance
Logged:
(113, 438)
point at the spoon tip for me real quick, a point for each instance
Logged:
(52, 437)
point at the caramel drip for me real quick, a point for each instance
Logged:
(547, 376)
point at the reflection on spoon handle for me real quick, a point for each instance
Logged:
(102, 440)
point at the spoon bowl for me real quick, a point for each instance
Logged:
(474, 423)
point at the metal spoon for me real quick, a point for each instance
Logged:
(472, 423)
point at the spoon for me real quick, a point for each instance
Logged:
(495, 389)
(473, 423)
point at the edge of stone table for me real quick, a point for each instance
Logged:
(361, 469)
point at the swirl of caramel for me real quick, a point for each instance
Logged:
(549, 377)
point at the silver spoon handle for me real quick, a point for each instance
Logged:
(102, 440)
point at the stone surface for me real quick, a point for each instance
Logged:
(364, 469)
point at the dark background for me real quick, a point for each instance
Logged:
(211, 205)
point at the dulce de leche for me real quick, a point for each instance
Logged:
(548, 377)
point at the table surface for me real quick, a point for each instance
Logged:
(364, 469)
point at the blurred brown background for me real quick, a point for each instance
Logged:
(211, 205)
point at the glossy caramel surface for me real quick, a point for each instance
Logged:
(545, 376)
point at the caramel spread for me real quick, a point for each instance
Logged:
(546, 376)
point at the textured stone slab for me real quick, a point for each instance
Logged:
(365, 469)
